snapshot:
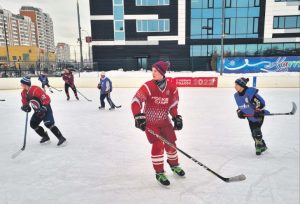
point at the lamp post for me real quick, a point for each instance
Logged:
(222, 39)
(79, 39)
(6, 44)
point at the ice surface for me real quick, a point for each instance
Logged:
(107, 160)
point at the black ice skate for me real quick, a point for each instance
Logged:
(62, 142)
(101, 107)
(112, 108)
(161, 178)
(45, 139)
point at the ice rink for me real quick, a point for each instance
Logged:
(107, 160)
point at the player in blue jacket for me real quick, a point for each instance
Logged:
(105, 86)
(251, 105)
(45, 82)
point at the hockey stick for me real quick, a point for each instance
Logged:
(111, 102)
(24, 143)
(55, 88)
(2, 100)
(83, 95)
(292, 112)
(240, 177)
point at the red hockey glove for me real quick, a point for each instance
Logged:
(140, 121)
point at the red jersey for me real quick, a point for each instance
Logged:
(36, 93)
(158, 103)
(68, 78)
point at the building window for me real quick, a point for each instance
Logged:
(161, 25)
(286, 22)
(285, 0)
(152, 2)
(227, 26)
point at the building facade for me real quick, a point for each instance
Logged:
(134, 34)
(62, 52)
(43, 27)
(16, 30)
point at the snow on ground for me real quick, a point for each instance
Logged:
(107, 160)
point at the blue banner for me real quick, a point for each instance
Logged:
(260, 64)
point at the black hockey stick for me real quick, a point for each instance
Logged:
(292, 112)
(55, 88)
(240, 177)
(24, 142)
(2, 100)
(111, 102)
(83, 95)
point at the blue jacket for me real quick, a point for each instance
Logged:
(43, 79)
(106, 85)
(246, 103)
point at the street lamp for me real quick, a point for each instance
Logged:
(222, 37)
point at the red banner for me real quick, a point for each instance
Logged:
(196, 81)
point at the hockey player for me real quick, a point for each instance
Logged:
(69, 82)
(249, 102)
(105, 86)
(45, 82)
(40, 102)
(160, 97)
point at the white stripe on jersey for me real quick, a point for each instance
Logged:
(147, 89)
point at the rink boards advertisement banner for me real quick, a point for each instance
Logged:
(195, 81)
(260, 64)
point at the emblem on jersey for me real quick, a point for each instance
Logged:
(35, 104)
(160, 100)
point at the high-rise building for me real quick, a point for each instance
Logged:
(43, 27)
(135, 34)
(19, 30)
(62, 52)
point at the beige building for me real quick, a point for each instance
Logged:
(16, 30)
(43, 27)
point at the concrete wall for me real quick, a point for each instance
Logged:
(134, 82)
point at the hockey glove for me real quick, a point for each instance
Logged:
(41, 112)
(99, 86)
(26, 108)
(140, 121)
(240, 114)
(177, 122)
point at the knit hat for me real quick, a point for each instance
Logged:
(161, 67)
(242, 81)
(26, 80)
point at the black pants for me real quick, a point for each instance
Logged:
(67, 89)
(107, 96)
(255, 128)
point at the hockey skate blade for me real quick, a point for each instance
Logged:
(237, 178)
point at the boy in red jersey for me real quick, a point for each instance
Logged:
(40, 102)
(161, 98)
(69, 82)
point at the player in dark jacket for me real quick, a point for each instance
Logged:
(251, 103)
(45, 82)
(40, 102)
(69, 82)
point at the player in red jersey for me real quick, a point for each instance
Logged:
(69, 82)
(40, 102)
(160, 97)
